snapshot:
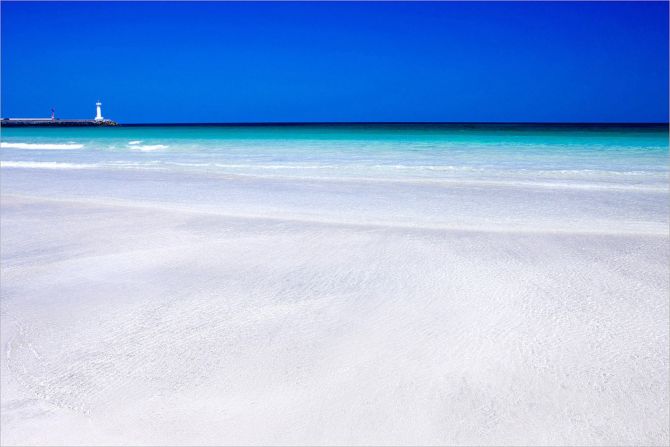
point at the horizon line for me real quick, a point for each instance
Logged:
(367, 123)
(316, 123)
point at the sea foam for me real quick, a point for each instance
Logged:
(45, 165)
(147, 147)
(41, 146)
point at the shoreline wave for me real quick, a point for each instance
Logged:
(41, 146)
(547, 182)
(46, 165)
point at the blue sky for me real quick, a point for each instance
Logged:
(260, 62)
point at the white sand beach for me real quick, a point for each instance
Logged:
(154, 308)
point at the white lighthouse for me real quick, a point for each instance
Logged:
(98, 113)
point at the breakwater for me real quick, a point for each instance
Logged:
(54, 123)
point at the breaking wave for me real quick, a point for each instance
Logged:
(45, 165)
(147, 147)
(41, 146)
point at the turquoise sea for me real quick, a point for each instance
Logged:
(630, 155)
(554, 176)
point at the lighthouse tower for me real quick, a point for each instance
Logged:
(98, 113)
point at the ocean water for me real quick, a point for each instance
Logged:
(341, 284)
(636, 155)
(418, 162)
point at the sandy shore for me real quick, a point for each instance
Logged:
(133, 323)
